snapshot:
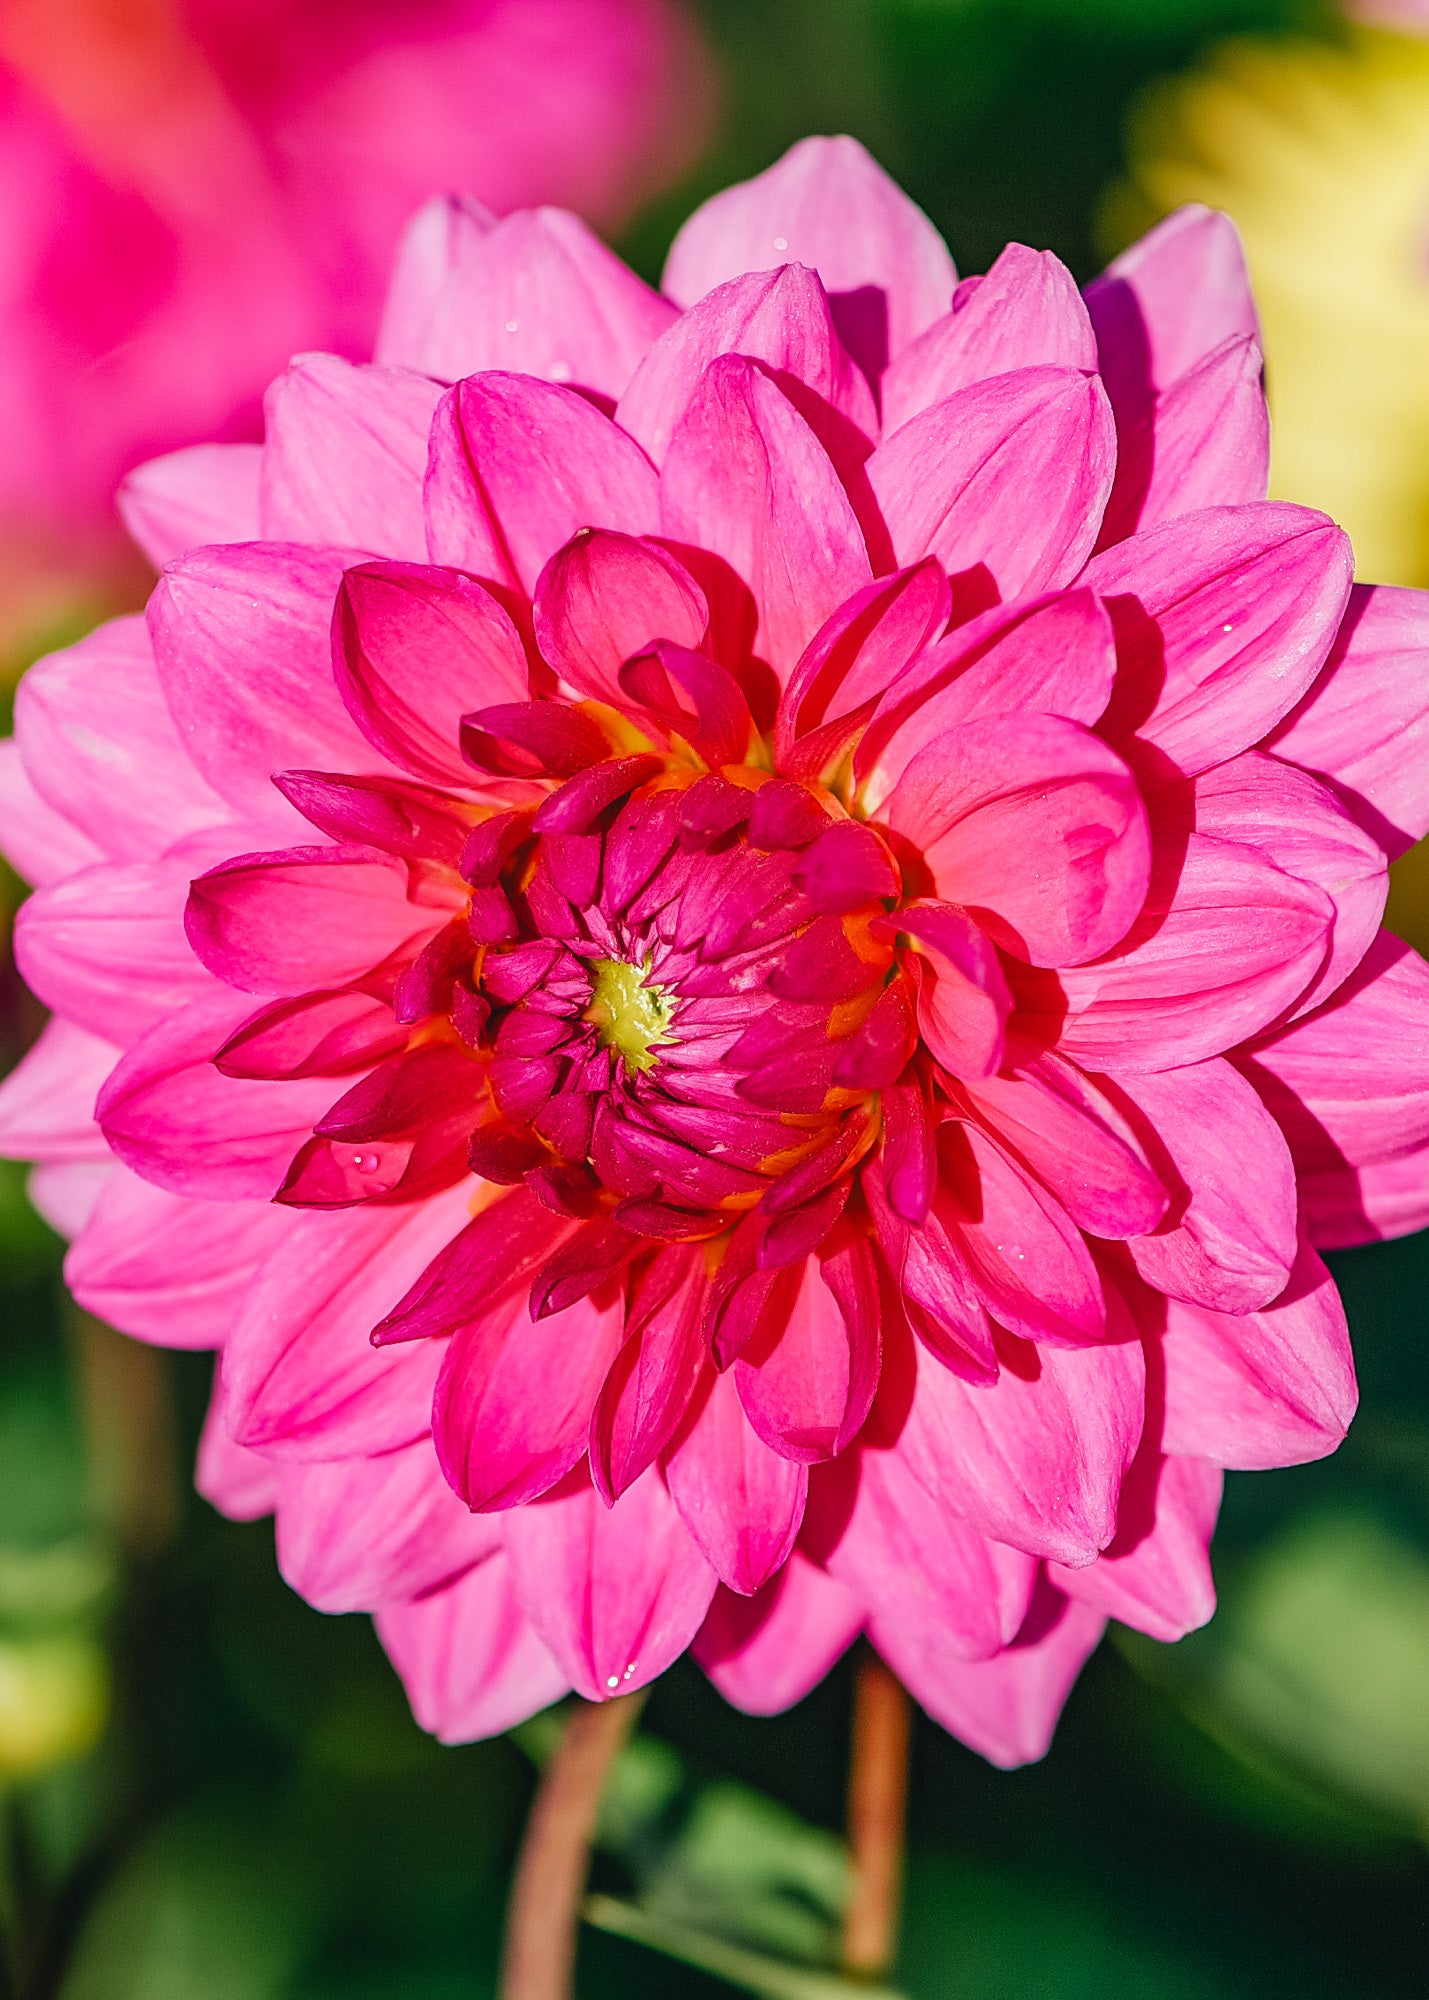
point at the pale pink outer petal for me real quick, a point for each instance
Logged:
(780, 318)
(741, 1501)
(1033, 1461)
(825, 204)
(300, 1377)
(168, 1269)
(1268, 1388)
(243, 641)
(106, 948)
(1223, 619)
(346, 455)
(1036, 826)
(38, 843)
(192, 498)
(1025, 313)
(617, 1593)
(1364, 724)
(178, 1121)
(1349, 1086)
(512, 1407)
(746, 479)
(953, 482)
(1234, 943)
(1229, 1241)
(518, 466)
(537, 293)
(1156, 1575)
(469, 1657)
(101, 747)
(1006, 1708)
(240, 1483)
(915, 1566)
(66, 1193)
(766, 1652)
(1304, 829)
(47, 1101)
(362, 1532)
(1172, 299)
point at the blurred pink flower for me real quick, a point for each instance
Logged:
(194, 192)
(736, 963)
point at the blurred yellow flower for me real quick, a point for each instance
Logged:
(1320, 153)
(54, 1699)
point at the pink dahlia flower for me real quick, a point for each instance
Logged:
(193, 190)
(729, 945)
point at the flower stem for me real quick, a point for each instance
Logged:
(538, 1962)
(877, 1804)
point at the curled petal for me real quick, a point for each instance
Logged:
(741, 1500)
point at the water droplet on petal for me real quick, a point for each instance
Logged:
(511, 325)
(612, 1680)
(781, 243)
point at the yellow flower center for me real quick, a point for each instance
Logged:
(631, 1017)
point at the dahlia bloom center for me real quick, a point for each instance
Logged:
(628, 1015)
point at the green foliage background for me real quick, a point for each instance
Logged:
(231, 1802)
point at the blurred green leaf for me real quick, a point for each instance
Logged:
(29, 1248)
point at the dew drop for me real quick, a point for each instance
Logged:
(612, 1680)
(781, 243)
(1228, 628)
(366, 1163)
(511, 325)
(560, 371)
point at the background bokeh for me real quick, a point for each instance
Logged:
(210, 1792)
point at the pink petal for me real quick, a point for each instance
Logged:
(66, 1193)
(240, 1483)
(537, 293)
(1170, 300)
(514, 1399)
(1036, 1458)
(963, 1001)
(362, 1532)
(806, 1384)
(106, 947)
(918, 1568)
(1156, 1575)
(1365, 722)
(825, 204)
(469, 1657)
(1005, 1708)
(780, 318)
(414, 650)
(189, 499)
(47, 1100)
(1347, 1084)
(39, 845)
(1026, 312)
(1054, 657)
(604, 599)
(617, 1593)
(242, 638)
(1303, 828)
(652, 1379)
(1203, 442)
(1027, 1260)
(1216, 955)
(954, 481)
(1229, 1241)
(1077, 1143)
(300, 1376)
(746, 479)
(1223, 620)
(311, 917)
(101, 747)
(766, 1652)
(175, 1119)
(1275, 1387)
(550, 464)
(346, 455)
(1034, 825)
(741, 1500)
(167, 1269)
